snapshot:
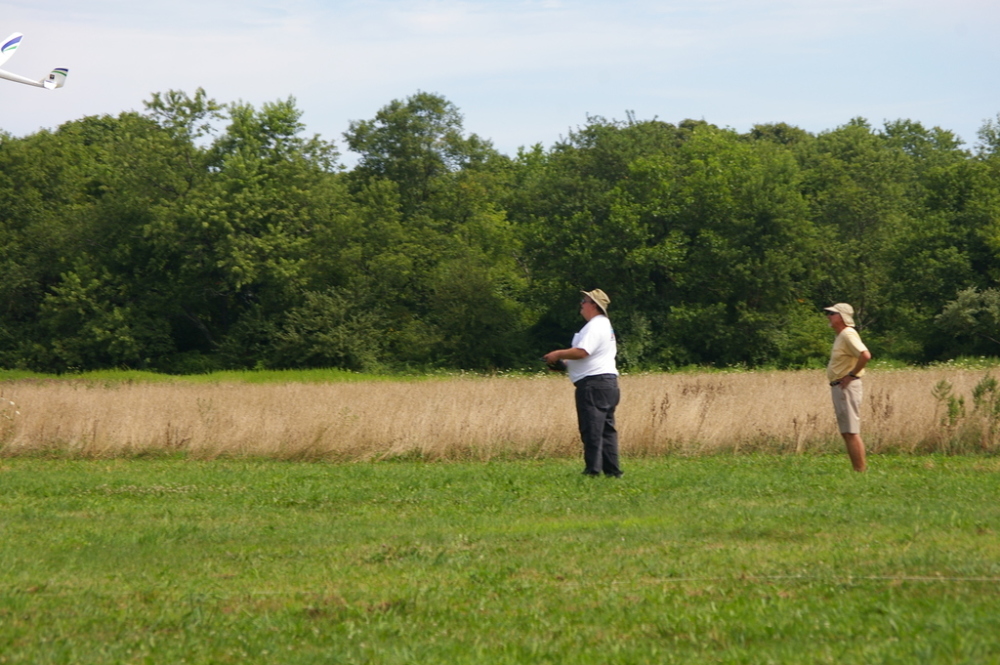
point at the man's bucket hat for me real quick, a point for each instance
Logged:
(600, 298)
(846, 312)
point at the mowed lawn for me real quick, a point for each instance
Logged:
(734, 559)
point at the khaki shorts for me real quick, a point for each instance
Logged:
(847, 406)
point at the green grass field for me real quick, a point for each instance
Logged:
(735, 559)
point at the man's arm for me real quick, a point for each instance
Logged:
(863, 359)
(565, 354)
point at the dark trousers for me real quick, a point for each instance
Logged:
(596, 399)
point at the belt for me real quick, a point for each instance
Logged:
(837, 382)
(594, 377)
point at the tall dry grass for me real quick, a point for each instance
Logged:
(477, 418)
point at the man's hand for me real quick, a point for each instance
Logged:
(565, 354)
(863, 359)
(552, 357)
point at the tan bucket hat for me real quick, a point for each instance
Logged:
(600, 298)
(846, 312)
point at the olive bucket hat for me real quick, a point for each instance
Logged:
(600, 299)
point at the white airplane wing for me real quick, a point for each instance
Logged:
(9, 46)
(55, 79)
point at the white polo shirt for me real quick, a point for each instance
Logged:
(597, 338)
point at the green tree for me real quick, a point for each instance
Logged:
(199, 235)
(972, 320)
(856, 185)
(104, 179)
(414, 143)
(440, 260)
(701, 237)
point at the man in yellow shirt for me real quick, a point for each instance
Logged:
(847, 365)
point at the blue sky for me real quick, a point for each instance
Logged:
(521, 72)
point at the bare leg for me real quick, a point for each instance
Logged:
(855, 450)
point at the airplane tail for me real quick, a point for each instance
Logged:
(56, 79)
(8, 46)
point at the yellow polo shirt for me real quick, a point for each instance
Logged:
(844, 355)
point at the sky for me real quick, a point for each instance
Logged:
(521, 72)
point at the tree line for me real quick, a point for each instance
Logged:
(196, 236)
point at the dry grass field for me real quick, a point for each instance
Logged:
(482, 418)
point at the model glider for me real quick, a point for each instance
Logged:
(56, 79)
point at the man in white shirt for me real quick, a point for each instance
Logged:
(590, 363)
(848, 358)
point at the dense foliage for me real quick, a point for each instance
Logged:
(198, 236)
